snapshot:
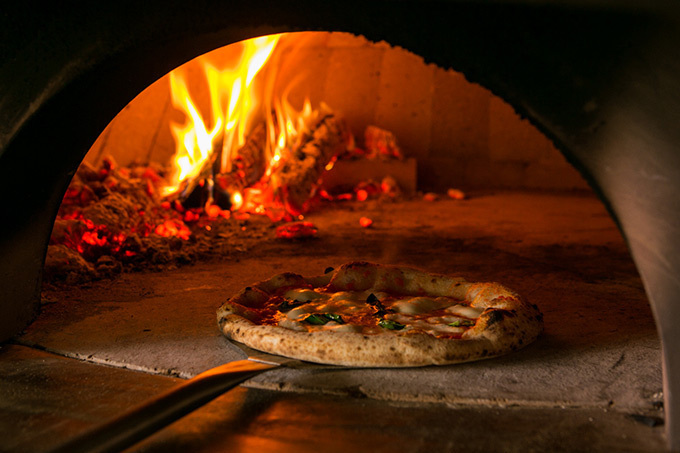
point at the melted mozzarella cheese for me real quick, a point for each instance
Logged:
(300, 312)
(341, 327)
(407, 312)
(402, 319)
(419, 305)
(465, 311)
(292, 325)
(434, 328)
(343, 296)
(304, 295)
(343, 306)
(444, 319)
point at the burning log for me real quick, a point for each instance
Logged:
(299, 176)
(248, 166)
(381, 143)
(249, 161)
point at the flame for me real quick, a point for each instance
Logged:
(193, 140)
(237, 200)
(234, 105)
(233, 101)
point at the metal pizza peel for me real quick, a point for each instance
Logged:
(153, 415)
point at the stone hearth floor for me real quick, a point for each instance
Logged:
(591, 382)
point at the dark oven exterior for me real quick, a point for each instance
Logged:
(601, 79)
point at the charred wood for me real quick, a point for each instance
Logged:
(248, 164)
(299, 176)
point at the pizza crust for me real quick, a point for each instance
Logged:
(507, 322)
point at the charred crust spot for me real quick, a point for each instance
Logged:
(392, 348)
(365, 337)
(328, 269)
(248, 288)
(484, 353)
(495, 316)
(457, 284)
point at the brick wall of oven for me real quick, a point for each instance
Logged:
(460, 133)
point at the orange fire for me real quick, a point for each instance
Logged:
(233, 101)
(239, 99)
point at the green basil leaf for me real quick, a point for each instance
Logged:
(462, 323)
(390, 325)
(317, 320)
(334, 317)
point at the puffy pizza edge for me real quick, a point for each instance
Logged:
(506, 321)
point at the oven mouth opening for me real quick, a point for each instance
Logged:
(529, 224)
(278, 127)
(601, 72)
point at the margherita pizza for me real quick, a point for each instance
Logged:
(370, 315)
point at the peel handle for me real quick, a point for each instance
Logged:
(142, 421)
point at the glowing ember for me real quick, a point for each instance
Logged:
(296, 230)
(250, 153)
(115, 212)
(173, 228)
(365, 222)
(237, 200)
(213, 211)
(456, 194)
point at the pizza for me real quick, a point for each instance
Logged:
(372, 315)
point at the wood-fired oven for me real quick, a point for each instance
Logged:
(601, 81)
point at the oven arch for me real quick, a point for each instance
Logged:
(602, 81)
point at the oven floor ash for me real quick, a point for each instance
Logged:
(591, 382)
